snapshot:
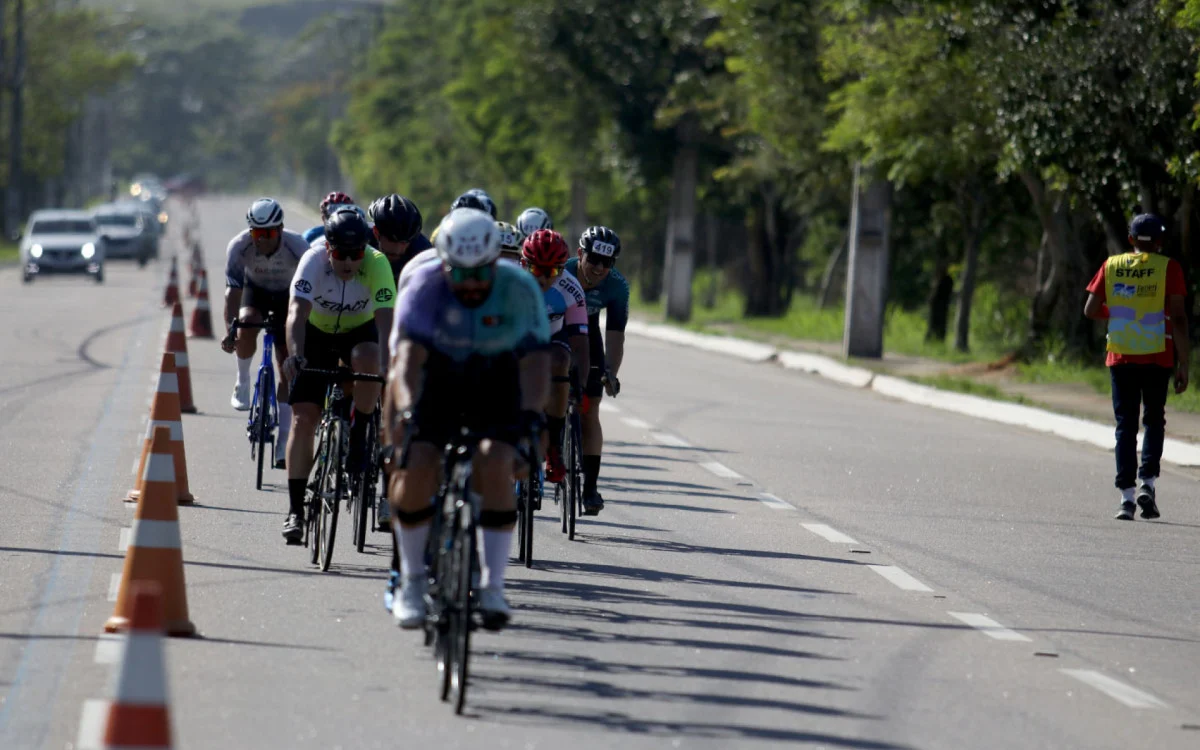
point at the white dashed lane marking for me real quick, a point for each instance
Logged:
(114, 587)
(899, 578)
(989, 627)
(635, 423)
(1115, 689)
(774, 502)
(92, 725)
(670, 440)
(108, 648)
(123, 540)
(720, 470)
(829, 534)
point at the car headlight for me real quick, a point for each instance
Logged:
(162, 218)
(88, 250)
(35, 251)
(135, 189)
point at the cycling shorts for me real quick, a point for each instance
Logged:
(325, 351)
(267, 302)
(483, 396)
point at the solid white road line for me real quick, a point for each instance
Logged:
(774, 502)
(1115, 689)
(670, 440)
(108, 648)
(610, 408)
(720, 470)
(92, 724)
(123, 540)
(635, 423)
(989, 627)
(828, 533)
(114, 587)
(899, 578)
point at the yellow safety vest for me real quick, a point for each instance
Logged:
(1135, 285)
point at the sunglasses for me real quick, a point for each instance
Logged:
(604, 261)
(462, 275)
(544, 272)
(347, 253)
(265, 233)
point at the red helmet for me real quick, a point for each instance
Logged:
(545, 247)
(334, 199)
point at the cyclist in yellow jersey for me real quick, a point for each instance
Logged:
(340, 311)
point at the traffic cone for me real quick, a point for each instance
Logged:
(201, 327)
(172, 294)
(177, 345)
(138, 716)
(155, 550)
(164, 412)
(195, 265)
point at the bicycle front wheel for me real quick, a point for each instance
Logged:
(460, 629)
(331, 495)
(261, 422)
(530, 501)
(574, 474)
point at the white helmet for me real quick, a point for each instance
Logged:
(533, 219)
(264, 213)
(468, 238)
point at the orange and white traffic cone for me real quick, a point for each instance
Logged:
(177, 345)
(139, 716)
(164, 412)
(201, 327)
(172, 294)
(155, 546)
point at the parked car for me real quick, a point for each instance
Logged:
(127, 231)
(62, 241)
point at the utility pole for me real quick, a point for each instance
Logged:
(867, 278)
(16, 177)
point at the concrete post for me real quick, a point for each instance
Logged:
(867, 277)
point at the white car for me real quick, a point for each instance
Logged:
(125, 232)
(62, 241)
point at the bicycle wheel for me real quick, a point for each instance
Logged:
(366, 488)
(331, 495)
(444, 575)
(574, 472)
(252, 425)
(522, 511)
(531, 488)
(460, 645)
(261, 421)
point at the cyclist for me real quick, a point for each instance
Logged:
(470, 199)
(511, 240)
(397, 226)
(605, 289)
(545, 254)
(341, 309)
(489, 205)
(259, 264)
(328, 204)
(469, 345)
(533, 219)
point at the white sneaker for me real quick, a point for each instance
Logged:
(281, 455)
(493, 608)
(383, 514)
(409, 611)
(240, 399)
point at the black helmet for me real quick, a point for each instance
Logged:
(396, 217)
(601, 241)
(470, 200)
(346, 228)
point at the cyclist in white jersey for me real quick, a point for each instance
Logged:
(259, 264)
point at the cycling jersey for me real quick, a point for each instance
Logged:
(611, 295)
(338, 305)
(511, 320)
(418, 245)
(566, 306)
(244, 265)
(411, 267)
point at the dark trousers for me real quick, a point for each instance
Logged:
(1139, 390)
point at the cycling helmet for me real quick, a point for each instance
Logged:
(468, 238)
(396, 217)
(533, 219)
(334, 199)
(510, 237)
(601, 241)
(467, 200)
(547, 248)
(489, 205)
(346, 228)
(264, 213)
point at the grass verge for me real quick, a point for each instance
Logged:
(8, 252)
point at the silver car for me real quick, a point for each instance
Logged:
(126, 235)
(62, 241)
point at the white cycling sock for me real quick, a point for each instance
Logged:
(1149, 482)
(244, 370)
(496, 546)
(285, 429)
(1127, 495)
(412, 548)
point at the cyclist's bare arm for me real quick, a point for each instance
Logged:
(298, 312)
(403, 386)
(383, 323)
(233, 303)
(614, 349)
(581, 354)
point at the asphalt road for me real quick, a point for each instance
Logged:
(782, 562)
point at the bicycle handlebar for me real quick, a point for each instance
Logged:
(268, 323)
(343, 373)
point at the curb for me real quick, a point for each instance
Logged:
(1175, 451)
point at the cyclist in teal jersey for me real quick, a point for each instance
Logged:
(605, 290)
